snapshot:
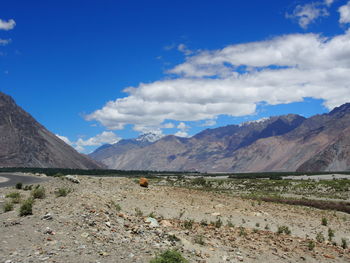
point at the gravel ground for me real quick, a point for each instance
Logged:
(105, 220)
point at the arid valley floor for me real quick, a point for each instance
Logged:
(115, 220)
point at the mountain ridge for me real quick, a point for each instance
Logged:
(24, 142)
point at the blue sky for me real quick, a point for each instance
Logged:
(186, 65)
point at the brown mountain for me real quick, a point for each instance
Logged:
(26, 143)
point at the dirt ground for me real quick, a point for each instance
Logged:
(105, 220)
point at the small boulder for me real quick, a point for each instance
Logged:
(143, 182)
(73, 179)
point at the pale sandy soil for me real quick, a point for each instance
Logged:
(3, 179)
(86, 226)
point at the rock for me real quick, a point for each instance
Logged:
(166, 223)
(48, 231)
(143, 182)
(73, 179)
(153, 222)
(47, 216)
(108, 224)
(216, 214)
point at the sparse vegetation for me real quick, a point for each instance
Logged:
(15, 197)
(324, 221)
(242, 231)
(217, 223)
(116, 206)
(188, 224)
(169, 256)
(38, 192)
(230, 224)
(311, 245)
(152, 214)
(8, 206)
(173, 238)
(283, 229)
(320, 237)
(61, 192)
(199, 239)
(26, 207)
(138, 212)
(344, 243)
(331, 234)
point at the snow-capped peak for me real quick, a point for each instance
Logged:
(256, 121)
(151, 136)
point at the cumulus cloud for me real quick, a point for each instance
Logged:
(344, 13)
(98, 140)
(4, 42)
(208, 123)
(7, 25)
(183, 48)
(233, 80)
(309, 13)
(65, 139)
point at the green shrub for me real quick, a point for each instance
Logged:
(28, 187)
(62, 192)
(330, 234)
(38, 192)
(19, 186)
(26, 207)
(15, 196)
(188, 224)
(242, 231)
(311, 245)
(8, 207)
(320, 237)
(138, 212)
(344, 243)
(218, 223)
(199, 240)
(283, 229)
(324, 221)
(169, 256)
(116, 206)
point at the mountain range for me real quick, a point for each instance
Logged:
(26, 143)
(281, 143)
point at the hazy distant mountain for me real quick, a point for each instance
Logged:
(281, 143)
(106, 153)
(26, 143)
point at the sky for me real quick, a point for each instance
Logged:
(97, 71)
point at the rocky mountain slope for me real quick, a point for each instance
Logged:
(281, 143)
(26, 143)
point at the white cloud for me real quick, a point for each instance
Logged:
(281, 70)
(98, 140)
(328, 2)
(181, 134)
(168, 125)
(208, 123)
(182, 126)
(7, 25)
(183, 49)
(4, 42)
(65, 139)
(308, 13)
(344, 13)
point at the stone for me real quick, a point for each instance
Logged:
(47, 216)
(216, 214)
(166, 223)
(143, 182)
(73, 179)
(153, 222)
